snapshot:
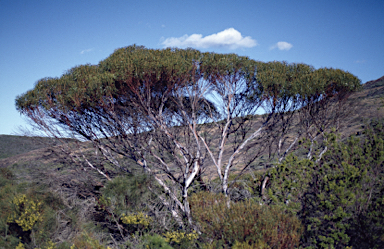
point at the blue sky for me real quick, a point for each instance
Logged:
(45, 38)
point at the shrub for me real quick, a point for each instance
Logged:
(87, 241)
(137, 222)
(156, 241)
(340, 199)
(128, 193)
(132, 201)
(244, 222)
(26, 212)
(181, 239)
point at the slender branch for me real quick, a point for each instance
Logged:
(321, 154)
(93, 167)
(288, 149)
(212, 157)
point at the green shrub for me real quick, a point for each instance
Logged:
(8, 188)
(289, 182)
(126, 194)
(132, 201)
(340, 199)
(87, 240)
(156, 241)
(27, 214)
(244, 221)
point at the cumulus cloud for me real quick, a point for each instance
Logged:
(229, 38)
(86, 51)
(282, 45)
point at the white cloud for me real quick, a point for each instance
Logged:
(282, 45)
(86, 51)
(361, 61)
(162, 25)
(229, 38)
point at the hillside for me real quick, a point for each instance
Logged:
(367, 104)
(375, 84)
(11, 145)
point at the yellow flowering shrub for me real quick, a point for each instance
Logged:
(26, 212)
(50, 245)
(179, 237)
(20, 246)
(137, 219)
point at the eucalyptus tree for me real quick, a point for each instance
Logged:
(178, 113)
(126, 106)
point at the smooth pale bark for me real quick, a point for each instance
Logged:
(233, 156)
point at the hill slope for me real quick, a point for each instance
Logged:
(14, 145)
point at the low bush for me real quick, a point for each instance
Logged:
(87, 240)
(155, 242)
(244, 222)
(28, 216)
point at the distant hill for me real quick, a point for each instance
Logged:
(369, 100)
(374, 88)
(14, 145)
(374, 83)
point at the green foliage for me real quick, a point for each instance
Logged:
(27, 215)
(280, 82)
(81, 87)
(7, 189)
(125, 194)
(84, 93)
(244, 221)
(155, 241)
(128, 200)
(339, 200)
(328, 204)
(290, 182)
(87, 241)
